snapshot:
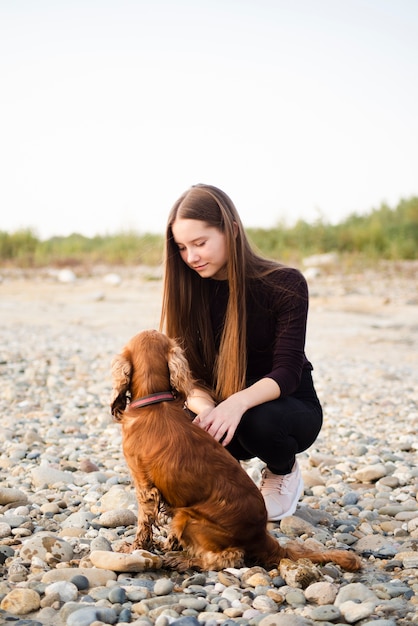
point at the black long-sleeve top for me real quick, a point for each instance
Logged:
(277, 309)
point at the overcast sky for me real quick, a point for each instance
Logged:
(109, 110)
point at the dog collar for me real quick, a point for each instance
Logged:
(153, 398)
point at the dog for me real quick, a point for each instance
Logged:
(218, 515)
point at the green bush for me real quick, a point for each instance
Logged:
(384, 233)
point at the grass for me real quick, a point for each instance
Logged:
(382, 234)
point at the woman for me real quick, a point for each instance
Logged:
(242, 322)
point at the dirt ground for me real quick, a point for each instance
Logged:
(370, 316)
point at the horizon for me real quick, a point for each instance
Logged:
(302, 110)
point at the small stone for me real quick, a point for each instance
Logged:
(47, 476)
(118, 517)
(5, 530)
(163, 587)
(88, 466)
(9, 495)
(264, 604)
(227, 578)
(370, 473)
(355, 611)
(295, 597)
(325, 613)
(196, 579)
(17, 572)
(78, 519)
(298, 574)
(409, 559)
(185, 621)
(275, 595)
(86, 616)
(117, 498)
(197, 604)
(321, 593)
(136, 561)
(80, 581)
(21, 601)
(357, 592)
(285, 619)
(117, 595)
(293, 526)
(96, 577)
(258, 579)
(376, 544)
(43, 544)
(66, 591)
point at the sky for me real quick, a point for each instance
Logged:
(297, 109)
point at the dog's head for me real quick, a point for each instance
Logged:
(150, 363)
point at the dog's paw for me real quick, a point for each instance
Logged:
(124, 547)
(180, 562)
(171, 544)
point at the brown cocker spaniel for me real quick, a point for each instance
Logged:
(218, 514)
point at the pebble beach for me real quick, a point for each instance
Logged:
(67, 504)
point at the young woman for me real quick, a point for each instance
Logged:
(242, 322)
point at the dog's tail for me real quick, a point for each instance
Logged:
(347, 560)
(295, 550)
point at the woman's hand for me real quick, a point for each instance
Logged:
(221, 421)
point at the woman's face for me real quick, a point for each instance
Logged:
(202, 247)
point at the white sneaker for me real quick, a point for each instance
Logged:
(281, 492)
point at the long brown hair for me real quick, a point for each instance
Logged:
(185, 303)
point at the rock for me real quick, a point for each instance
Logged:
(294, 526)
(284, 619)
(9, 495)
(136, 561)
(17, 572)
(5, 530)
(112, 279)
(66, 276)
(118, 517)
(321, 593)
(355, 611)
(325, 613)
(95, 577)
(258, 578)
(80, 581)
(299, 574)
(163, 587)
(21, 601)
(88, 466)
(66, 591)
(370, 473)
(48, 476)
(264, 604)
(376, 544)
(357, 592)
(78, 519)
(117, 498)
(42, 544)
(86, 616)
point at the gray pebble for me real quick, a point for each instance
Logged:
(163, 586)
(117, 595)
(325, 612)
(81, 582)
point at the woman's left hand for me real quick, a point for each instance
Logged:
(221, 421)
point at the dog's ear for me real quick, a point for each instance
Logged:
(180, 375)
(121, 380)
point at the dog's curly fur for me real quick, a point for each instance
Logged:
(218, 514)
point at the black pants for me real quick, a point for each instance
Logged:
(276, 431)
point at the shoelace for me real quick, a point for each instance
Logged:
(276, 482)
